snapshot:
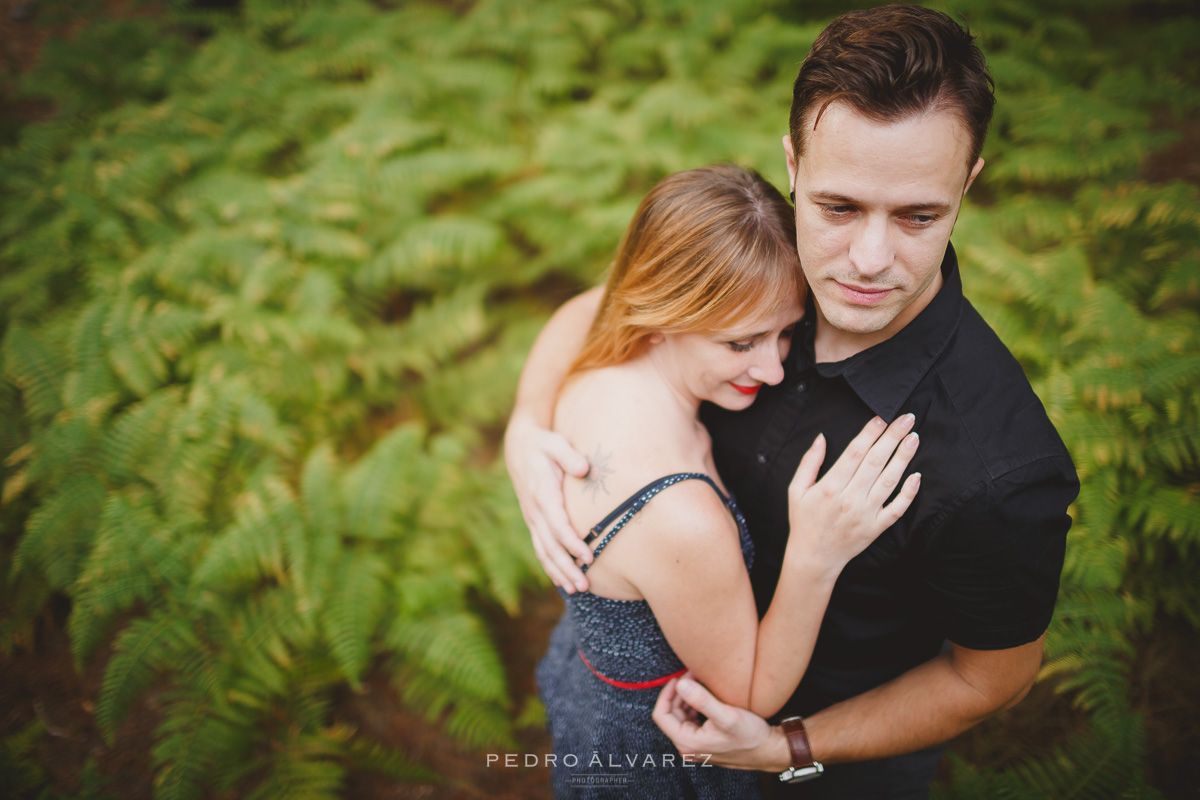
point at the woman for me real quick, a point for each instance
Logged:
(699, 307)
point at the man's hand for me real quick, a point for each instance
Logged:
(537, 459)
(734, 737)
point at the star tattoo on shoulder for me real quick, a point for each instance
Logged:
(598, 472)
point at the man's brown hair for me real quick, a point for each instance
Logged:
(890, 62)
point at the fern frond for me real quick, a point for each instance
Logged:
(382, 490)
(197, 736)
(456, 648)
(60, 530)
(36, 369)
(135, 556)
(355, 608)
(135, 437)
(433, 254)
(251, 548)
(142, 651)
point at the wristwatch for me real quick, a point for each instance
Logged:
(803, 767)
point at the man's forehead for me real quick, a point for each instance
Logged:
(850, 151)
(837, 110)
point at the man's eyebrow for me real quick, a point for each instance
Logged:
(941, 208)
(841, 199)
(832, 197)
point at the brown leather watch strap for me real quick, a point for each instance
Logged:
(797, 738)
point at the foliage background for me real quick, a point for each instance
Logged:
(269, 271)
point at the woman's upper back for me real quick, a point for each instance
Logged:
(633, 433)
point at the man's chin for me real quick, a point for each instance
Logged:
(859, 321)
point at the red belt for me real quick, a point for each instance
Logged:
(626, 684)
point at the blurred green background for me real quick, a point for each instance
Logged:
(268, 272)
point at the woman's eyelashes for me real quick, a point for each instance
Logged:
(746, 345)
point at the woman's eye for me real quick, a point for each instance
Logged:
(740, 347)
(786, 333)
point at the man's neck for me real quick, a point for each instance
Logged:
(832, 344)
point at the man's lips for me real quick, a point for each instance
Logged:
(746, 389)
(863, 297)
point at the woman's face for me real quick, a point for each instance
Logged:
(728, 368)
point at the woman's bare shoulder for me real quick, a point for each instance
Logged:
(688, 514)
(684, 530)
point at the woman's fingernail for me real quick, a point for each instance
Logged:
(878, 422)
(912, 440)
(910, 418)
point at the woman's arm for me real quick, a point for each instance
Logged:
(831, 522)
(537, 457)
(703, 600)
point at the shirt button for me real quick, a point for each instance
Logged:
(801, 386)
(762, 458)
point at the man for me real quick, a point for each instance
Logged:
(940, 623)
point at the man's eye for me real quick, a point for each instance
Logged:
(922, 220)
(740, 347)
(838, 211)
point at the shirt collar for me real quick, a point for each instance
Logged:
(884, 375)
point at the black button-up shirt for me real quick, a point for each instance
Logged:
(976, 559)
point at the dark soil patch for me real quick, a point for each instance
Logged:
(41, 685)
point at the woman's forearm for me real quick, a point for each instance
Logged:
(831, 521)
(788, 633)
(550, 358)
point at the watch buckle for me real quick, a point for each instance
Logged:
(798, 774)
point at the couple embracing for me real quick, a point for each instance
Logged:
(731, 425)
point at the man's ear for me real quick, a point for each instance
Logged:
(790, 155)
(975, 170)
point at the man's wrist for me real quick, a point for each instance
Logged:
(779, 754)
(803, 766)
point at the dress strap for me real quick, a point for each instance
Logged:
(636, 502)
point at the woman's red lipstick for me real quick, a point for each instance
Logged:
(746, 389)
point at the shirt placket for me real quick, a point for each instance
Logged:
(776, 434)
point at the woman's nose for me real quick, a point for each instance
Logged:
(768, 367)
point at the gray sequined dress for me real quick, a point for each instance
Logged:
(607, 662)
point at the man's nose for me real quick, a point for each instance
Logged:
(871, 249)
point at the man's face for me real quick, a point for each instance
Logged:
(875, 205)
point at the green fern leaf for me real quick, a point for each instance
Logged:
(355, 608)
(35, 369)
(60, 530)
(142, 651)
(135, 557)
(383, 488)
(251, 549)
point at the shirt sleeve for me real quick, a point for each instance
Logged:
(992, 567)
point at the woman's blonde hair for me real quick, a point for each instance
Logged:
(705, 248)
